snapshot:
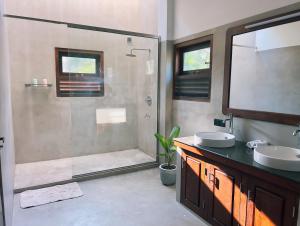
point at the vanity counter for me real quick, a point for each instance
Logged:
(241, 157)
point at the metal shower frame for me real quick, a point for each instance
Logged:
(120, 170)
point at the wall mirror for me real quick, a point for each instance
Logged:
(262, 70)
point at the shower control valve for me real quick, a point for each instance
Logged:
(148, 100)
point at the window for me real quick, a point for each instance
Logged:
(79, 73)
(192, 72)
(196, 59)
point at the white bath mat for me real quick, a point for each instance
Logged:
(43, 196)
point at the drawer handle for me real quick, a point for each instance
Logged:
(205, 172)
(217, 183)
(294, 212)
(211, 178)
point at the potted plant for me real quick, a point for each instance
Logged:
(168, 169)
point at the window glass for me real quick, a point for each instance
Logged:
(79, 73)
(192, 71)
(78, 65)
(196, 59)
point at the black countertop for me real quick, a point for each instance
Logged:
(242, 154)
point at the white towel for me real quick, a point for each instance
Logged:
(255, 143)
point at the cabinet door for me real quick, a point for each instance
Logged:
(191, 184)
(206, 190)
(224, 204)
(270, 205)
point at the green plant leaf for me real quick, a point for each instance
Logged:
(168, 145)
(173, 148)
(162, 140)
(172, 152)
(174, 133)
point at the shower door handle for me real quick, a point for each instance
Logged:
(1, 142)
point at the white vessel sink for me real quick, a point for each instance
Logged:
(278, 157)
(214, 139)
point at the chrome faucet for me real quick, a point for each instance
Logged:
(230, 119)
(297, 131)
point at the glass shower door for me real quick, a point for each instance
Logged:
(113, 100)
(86, 99)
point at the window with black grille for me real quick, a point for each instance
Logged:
(192, 71)
(79, 73)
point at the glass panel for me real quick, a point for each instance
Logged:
(196, 59)
(46, 119)
(116, 130)
(70, 136)
(78, 65)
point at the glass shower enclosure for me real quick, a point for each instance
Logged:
(84, 99)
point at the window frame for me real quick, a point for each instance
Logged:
(79, 77)
(179, 50)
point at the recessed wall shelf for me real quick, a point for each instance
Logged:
(37, 85)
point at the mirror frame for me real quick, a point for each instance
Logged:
(281, 118)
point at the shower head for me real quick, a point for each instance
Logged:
(133, 55)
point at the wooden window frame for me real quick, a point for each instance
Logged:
(282, 118)
(186, 46)
(90, 81)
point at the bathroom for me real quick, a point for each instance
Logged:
(85, 86)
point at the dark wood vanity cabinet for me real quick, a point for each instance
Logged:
(223, 196)
(267, 204)
(209, 190)
(227, 197)
(193, 189)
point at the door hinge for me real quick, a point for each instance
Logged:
(181, 163)
(249, 195)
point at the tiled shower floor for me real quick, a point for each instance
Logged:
(46, 172)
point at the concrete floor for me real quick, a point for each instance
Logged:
(134, 199)
(46, 172)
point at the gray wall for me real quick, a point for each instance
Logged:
(193, 16)
(198, 116)
(131, 15)
(47, 127)
(6, 128)
(166, 20)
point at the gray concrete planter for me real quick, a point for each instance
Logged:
(167, 176)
